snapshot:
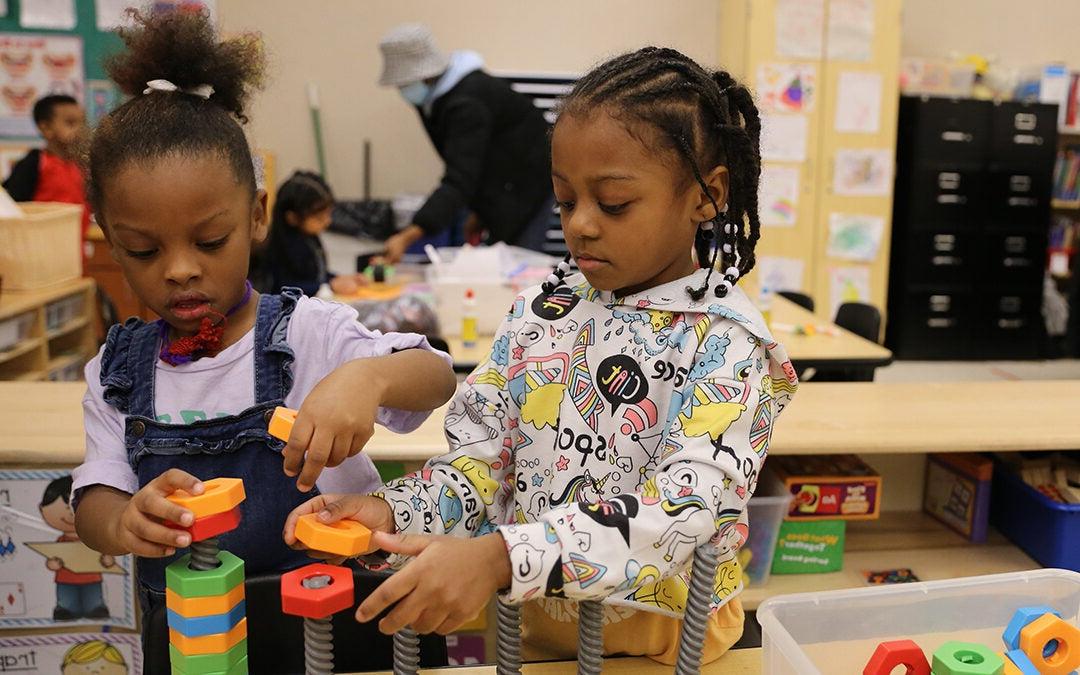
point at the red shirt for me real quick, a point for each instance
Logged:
(66, 576)
(61, 180)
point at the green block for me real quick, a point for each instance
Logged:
(189, 583)
(966, 658)
(209, 663)
(809, 547)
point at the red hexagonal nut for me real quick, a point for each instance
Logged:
(318, 602)
(210, 526)
(889, 655)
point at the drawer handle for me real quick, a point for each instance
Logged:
(956, 137)
(1011, 324)
(946, 260)
(1027, 139)
(941, 323)
(1023, 201)
(951, 199)
(1017, 262)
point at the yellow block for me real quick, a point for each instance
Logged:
(219, 643)
(219, 495)
(208, 606)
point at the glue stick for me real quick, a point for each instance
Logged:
(468, 320)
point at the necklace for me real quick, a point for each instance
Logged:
(208, 339)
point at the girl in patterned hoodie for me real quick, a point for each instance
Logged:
(624, 413)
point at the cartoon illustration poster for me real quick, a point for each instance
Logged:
(32, 66)
(72, 654)
(779, 195)
(786, 87)
(47, 576)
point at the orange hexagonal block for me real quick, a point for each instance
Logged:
(345, 537)
(218, 643)
(316, 591)
(219, 495)
(889, 655)
(204, 606)
(1035, 636)
(210, 526)
(281, 423)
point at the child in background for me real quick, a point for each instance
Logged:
(172, 403)
(53, 174)
(294, 254)
(623, 415)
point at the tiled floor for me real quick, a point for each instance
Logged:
(960, 371)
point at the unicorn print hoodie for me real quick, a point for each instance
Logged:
(605, 438)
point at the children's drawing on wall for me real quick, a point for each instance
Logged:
(779, 195)
(786, 87)
(855, 236)
(49, 576)
(863, 172)
(848, 284)
(72, 654)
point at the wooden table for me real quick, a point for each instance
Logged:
(735, 662)
(835, 347)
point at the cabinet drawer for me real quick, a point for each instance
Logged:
(1010, 326)
(950, 130)
(1018, 197)
(936, 325)
(941, 257)
(1015, 258)
(1024, 132)
(945, 195)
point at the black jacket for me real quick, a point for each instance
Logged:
(494, 143)
(22, 183)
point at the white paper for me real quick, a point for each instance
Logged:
(49, 653)
(31, 66)
(778, 198)
(8, 207)
(855, 236)
(848, 284)
(783, 137)
(800, 28)
(778, 273)
(33, 594)
(851, 30)
(110, 13)
(858, 103)
(863, 173)
(3, 8)
(53, 14)
(786, 87)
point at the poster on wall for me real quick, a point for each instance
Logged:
(855, 236)
(783, 137)
(72, 654)
(865, 173)
(50, 14)
(47, 576)
(778, 198)
(800, 28)
(848, 284)
(858, 103)
(102, 97)
(851, 30)
(786, 87)
(32, 66)
(779, 273)
(111, 14)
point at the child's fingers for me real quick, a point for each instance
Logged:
(177, 479)
(299, 442)
(450, 624)
(404, 544)
(429, 619)
(314, 505)
(314, 459)
(342, 449)
(156, 533)
(149, 549)
(153, 504)
(390, 591)
(341, 507)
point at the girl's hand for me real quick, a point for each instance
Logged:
(449, 582)
(373, 512)
(347, 284)
(140, 530)
(334, 423)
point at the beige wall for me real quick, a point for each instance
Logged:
(334, 44)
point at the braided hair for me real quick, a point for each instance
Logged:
(707, 119)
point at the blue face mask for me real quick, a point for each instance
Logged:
(415, 93)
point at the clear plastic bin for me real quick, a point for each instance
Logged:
(837, 631)
(62, 311)
(765, 515)
(15, 330)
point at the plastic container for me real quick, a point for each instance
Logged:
(42, 248)
(1048, 531)
(15, 330)
(765, 515)
(62, 311)
(469, 334)
(837, 631)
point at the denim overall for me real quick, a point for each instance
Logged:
(237, 446)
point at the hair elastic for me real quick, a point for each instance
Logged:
(203, 91)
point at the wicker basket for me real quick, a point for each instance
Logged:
(42, 248)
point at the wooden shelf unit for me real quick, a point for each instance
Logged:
(44, 352)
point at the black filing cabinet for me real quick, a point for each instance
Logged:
(970, 219)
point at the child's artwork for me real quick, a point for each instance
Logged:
(800, 28)
(786, 87)
(49, 14)
(783, 137)
(851, 30)
(858, 103)
(32, 66)
(863, 173)
(848, 284)
(778, 273)
(111, 13)
(49, 576)
(778, 197)
(101, 97)
(855, 237)
(72, 654)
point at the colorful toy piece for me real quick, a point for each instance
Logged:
(1021, 618)
(192, 583)
(217, 643)
(1052, 644)
(966, 658)
(317, 592)
(226, 662)
(210, 526)
(220, 495)
(1017, 663)
(345, 537)
(281, 423)
(889, 655)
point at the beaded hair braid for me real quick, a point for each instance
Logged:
(709, 120)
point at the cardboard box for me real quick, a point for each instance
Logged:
(957, 492)
(829, 487)
(809, 547)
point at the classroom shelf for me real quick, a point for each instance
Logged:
(25, 347)
(69, 327)
(43, 351)
(1066, 204)
(900, 539)
(1069, 131)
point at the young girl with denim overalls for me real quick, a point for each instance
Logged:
(187, 398)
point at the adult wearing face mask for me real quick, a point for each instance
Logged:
(492, 140)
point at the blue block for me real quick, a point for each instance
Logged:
(1021, 660)
(207, 625)
(1021, 618)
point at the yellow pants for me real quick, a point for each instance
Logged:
(549, 632)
